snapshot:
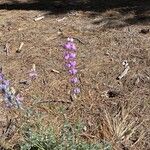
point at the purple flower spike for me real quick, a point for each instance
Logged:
(73, 63)
(68, 65)
(67, 56)
(72, 55)
(73, 47)
(76, 91)
(6, 82)
(68, 46)
(4, 85)
(73, 71)
(74, 80)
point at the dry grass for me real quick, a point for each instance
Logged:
(120, 129)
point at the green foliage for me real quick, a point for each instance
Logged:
(38, 137)
(69, 139)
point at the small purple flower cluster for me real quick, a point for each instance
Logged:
(70, 55)
(11, 98)
(33, 73)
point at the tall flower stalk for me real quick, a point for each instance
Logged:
(70, 56)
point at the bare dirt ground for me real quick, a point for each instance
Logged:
(105, 39)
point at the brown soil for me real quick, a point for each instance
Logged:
(104, 40)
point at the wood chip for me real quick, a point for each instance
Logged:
(56, 71)
(39, 18)
(59, 20)
(20, 47)
(137, 81)
(7, 48)
(123, 73)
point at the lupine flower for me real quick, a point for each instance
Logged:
(8, 98)
(9, 93)
(6, 82)
(1, 86)
(68, 65)
(73, 71)
(70, 39)
(1, 76)
(19, 97)
(72, 55)
(11, 99)
(73, 47)
(33, 73)
(71, 64)
(76, 90)
(74, 80)
(70, 45)
(67, 56)
(4, 85)
(18, 100)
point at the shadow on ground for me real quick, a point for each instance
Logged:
(139, 10)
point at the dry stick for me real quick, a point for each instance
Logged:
(20, 47)
(39, 18)
(55, 71)
(88, 136)
(6, 49)
(59, 20)
(123, 73)
(54, 101)
(8, 128)
(79, 40)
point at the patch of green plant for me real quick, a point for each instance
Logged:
(45, 139)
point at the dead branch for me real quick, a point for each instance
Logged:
(54, 101)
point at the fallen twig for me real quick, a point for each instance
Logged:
(20, 47)
(7, 49)
(39, 18)
(88, 136)
(59, 20)
(79, 40)
(56, 71)
(123, 73)
(54, 101)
